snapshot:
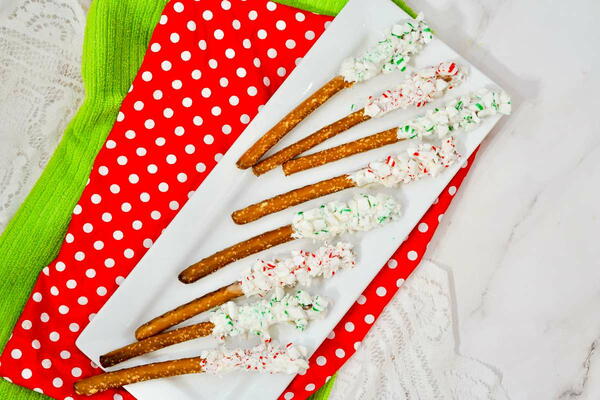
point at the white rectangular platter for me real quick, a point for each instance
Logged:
(204, 225)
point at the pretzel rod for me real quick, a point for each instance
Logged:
(290, 199)
(289, 359)
(310, 141)
(342, 151)
(157, 342)
(274, 135)
(188, 310)
(233, 253)
(116, 379)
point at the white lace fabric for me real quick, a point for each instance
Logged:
(411, 351)
(40, 88)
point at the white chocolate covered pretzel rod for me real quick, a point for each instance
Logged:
(267, 358)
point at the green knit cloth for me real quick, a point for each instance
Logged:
(116, 37)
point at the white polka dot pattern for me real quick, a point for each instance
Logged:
(202, 56)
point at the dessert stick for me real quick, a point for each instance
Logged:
(230, 320)
(419, 89)
(188, 310)
(289, 359)
(392, 53)
(263, 276)
(420, 161)
(465, 112)
(363, 212)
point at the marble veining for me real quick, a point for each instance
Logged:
(521, 241)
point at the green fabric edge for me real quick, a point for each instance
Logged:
(116, 30)
(115, 41)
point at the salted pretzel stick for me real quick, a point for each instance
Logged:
(274, 135)
(418, 162)
(127, 376)
(462, 113)
(233, 253)
(420, 88)
(322, 223)
(390, 54)
(230, 320)
(289, 359)
(290, 199)
(157, 342)
(342, 151)
(188, 310)
(310, 141)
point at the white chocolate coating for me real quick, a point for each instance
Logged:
(361, 213)
(301, 268)
(255, 318)
(465, 112)
(289, 359)
(418, 90)
(418, 162)
(391, 54)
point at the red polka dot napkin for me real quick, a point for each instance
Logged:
(210, 65)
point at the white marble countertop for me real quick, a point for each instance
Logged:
(521, 241)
